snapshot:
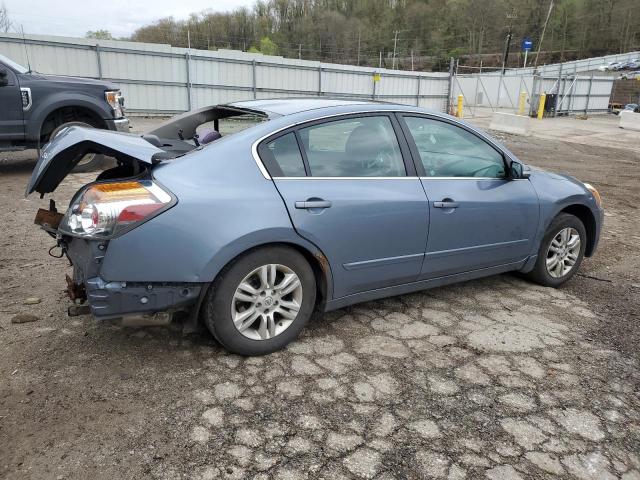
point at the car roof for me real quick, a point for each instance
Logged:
(289, 106)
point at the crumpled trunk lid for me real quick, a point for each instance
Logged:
(61, 155)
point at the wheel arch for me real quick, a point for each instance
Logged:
(69, 114)
(85, 104)
(316, 259)
(587, 218)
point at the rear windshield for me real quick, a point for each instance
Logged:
(230, 125)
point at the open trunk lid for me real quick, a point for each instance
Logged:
(61, 155)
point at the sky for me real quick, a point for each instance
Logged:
(73, 18)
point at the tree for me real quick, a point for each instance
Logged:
(5, 21)
(267, 47)
(99, 34)
(362, 31)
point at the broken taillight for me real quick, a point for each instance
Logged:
(104, 210)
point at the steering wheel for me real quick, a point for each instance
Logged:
(440, 165)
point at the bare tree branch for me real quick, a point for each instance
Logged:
(5, 21)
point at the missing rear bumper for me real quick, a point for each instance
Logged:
(121, 299)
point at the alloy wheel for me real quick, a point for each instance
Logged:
(266, 302)
(563, 252)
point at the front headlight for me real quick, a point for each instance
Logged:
(595, 193)
(115, 99)
(105, 210)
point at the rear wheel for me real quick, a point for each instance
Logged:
(261, 301)
(561, 251)
(88, 163)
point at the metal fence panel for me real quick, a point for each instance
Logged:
(577, 93)
(136, 66)
(338, 81)
(163, 79)
(575, 66)
(278, 78)
(53, 59)
(207, 72)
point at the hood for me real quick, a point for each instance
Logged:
(58, 157)
(563, 177)
(34, 77)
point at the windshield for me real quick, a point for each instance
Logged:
(15, 66)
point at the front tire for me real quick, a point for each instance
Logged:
(261, 301)
(561, 251)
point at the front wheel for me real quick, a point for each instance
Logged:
(561, 251)
(261, 301)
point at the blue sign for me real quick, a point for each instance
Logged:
(527, 44)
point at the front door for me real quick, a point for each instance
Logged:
(11, 121)
(478, 217)
(348, 190)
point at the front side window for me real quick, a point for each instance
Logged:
(450, 151)
(354, 147)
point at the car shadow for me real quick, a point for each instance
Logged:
(110, 340)
(15, 164)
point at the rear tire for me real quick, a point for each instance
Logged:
(89, 162)
(261, 301)
(559, 256)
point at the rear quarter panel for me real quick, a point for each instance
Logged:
(225, 207)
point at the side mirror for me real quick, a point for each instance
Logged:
(519, 171)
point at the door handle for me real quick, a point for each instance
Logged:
(445, 204)
(313, 204)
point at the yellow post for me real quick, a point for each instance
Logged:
(543, 98)
(523, 103)
(459, 112)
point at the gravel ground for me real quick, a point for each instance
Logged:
(495, 378)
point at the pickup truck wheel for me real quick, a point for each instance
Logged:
(89, 162)
(261, 301)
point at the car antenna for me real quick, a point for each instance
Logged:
(26, 52)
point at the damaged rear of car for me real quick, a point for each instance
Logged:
(120, 200)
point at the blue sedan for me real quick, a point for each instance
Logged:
(250, 216)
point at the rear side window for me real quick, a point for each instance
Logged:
(355, 147)
(450, 151)
(284, 155)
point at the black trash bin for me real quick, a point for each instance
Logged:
(550, 103)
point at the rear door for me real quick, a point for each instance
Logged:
(478, 217)
(351, 189)
(11, 112)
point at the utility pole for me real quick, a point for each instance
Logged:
(511, 16)
(395, 43)
(380, 66)
(358, 47)
(544, 28)
(507, 46)
(412, 59)
(299, 51)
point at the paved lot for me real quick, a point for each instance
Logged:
(598, 130)
(496, 378)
